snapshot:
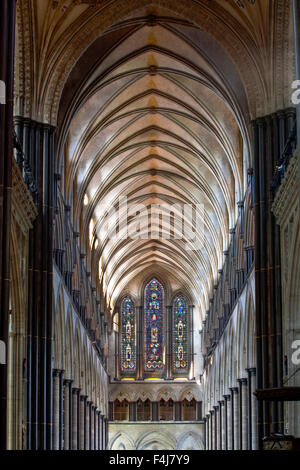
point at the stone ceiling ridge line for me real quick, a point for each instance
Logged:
(158, 119)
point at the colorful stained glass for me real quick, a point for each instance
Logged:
(154, 334)
(128, 347)
(180, 334)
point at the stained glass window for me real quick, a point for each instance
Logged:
(154, 334)
(128, 347)
(180, 335)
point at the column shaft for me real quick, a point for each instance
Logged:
(296, 21)
(208, 432)
(243, 408)
(222, 426)
(61, 410)
(56, 408)
(101, 432)
(253, 405)
(92, 445)
(67, 414)
(75, 418)
(226, 421)
(96, 429)
(244, 415)
(235, 420)
(7, 35)
(87, 425)
(213, 426)
(217, 429)
(82, 422)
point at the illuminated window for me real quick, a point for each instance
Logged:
(180, 335)
(143, 410)
(166, 410)
(128, 347)
(121, 410)
(154, 334)
(189, 410)
(153, 341)
(91, 232)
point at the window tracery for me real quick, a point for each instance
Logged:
(128, 344)
(154, 326)
(180, 335)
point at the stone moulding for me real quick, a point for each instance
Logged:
(287, 192)
(23, 207)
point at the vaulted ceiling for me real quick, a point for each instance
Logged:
(155, 108)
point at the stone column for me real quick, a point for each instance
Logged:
(40, 307)
(208, 432)
(101, 431)
(253, 409)
(7, 46)
(235, 409)
(96, 429)
(296, 21)
(56, 408)
(236, 417)
(239, 381)
(244, 418)
(222, 425)
(213, 426)
(229, 421)
(67, 410)
(75, 416)
(105, 429)
(269, 140)
(87, 425)
(106, 434)
(117, 355)
(226, 421)
(217, 429)
(92, 444)
(205, 432)
(61, 410)
(82, 423)
(70, 415)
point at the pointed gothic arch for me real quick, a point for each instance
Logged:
(154, 326)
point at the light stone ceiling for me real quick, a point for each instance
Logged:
(158, 122)
(152, 100)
